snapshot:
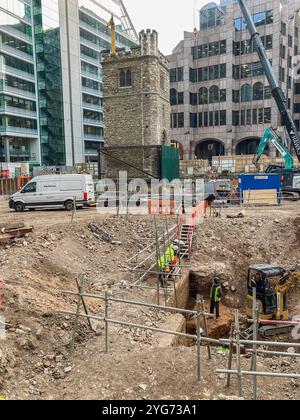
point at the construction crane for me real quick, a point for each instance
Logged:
(270, 136)
(277, 92)
(112, 26)
(290, 177)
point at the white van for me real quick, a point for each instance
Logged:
(55, 191)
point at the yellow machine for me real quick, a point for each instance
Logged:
(272, 285)
(112, 26)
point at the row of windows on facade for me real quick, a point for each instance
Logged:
(12, 42)
(20, 103)
(215, 95)
(220, 47)
(260, 19)
(219, 71)
(240, 71)
(203, 74)
(19, 122)
(219, 118)
(216, 16)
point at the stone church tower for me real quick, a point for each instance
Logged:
(136, 92)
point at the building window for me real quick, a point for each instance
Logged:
(203, 96)
(180, 119)
(180, 98)
(177, 120)
(282, 51)
(176, 98)
(260, 19)
(125, 78)
(236, 96)
(209, 50)
(297, 88)
(258, 92)
(246, 93)
(252, 117)
(193, 99)
(176, 75)
(214, 95)
(282, 74)
(193, 120)
(246, 71)
(173, 97)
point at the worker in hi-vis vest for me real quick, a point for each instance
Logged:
(166, 264)
(216, 295)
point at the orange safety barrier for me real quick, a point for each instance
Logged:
(199, 212)
(160, 207)
(22, 180)
(4, 173)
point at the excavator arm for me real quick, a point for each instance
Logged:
(270, 136)
(277, 92)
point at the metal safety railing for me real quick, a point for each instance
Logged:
(199, 313)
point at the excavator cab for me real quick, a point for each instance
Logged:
(271, 291)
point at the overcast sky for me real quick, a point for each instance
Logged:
(169, 17)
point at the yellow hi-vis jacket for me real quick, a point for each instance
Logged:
(163, 263)
(170, 254)
(215, 294)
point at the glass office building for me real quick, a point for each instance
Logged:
(51, 81)
(19, 130)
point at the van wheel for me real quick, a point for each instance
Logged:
(69, 205)
(19, 207)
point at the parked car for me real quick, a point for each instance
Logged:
(55, 191)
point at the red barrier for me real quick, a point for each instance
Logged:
(198, 212)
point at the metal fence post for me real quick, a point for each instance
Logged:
(238, 350)
(76, 320)
(255, 334)
(230, 356)
(205, 327)
(198, 301)
(106, 322)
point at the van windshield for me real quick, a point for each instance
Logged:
(29, 188)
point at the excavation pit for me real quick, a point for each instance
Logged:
(187, 291)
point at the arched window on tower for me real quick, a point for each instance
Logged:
(128, 78)
(122, 78)
(125, 78)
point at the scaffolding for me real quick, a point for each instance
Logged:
(201, 337)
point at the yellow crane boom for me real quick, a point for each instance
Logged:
(112, 26)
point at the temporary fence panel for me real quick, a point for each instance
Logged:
(8, 186)
(169, 163)
(260, 182)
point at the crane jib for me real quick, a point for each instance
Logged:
(274, 84)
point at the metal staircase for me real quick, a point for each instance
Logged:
(186, 238)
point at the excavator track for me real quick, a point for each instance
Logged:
(275, 330)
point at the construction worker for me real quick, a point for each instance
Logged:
(164, 267)
(216, 295)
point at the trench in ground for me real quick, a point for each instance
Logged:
(187, 291)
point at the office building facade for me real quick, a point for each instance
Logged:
(221, 100)
(51, 108)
